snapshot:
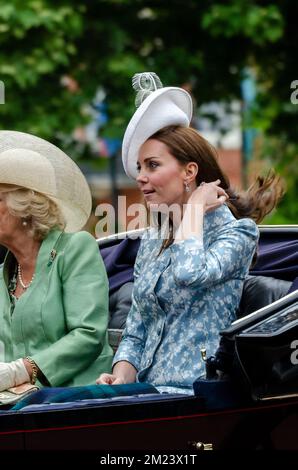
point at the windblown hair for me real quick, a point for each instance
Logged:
(187, 145)
(41, 213)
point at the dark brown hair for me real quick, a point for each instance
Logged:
(187, 145)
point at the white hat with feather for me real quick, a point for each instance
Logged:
(157, 107)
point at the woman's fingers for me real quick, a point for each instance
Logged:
(222, 198)
(214, 205)
(107, 379)
(118, 382)
(221, 192)
(209, 194)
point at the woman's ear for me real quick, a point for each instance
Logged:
(191, 170)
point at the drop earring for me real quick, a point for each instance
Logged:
(187, 188)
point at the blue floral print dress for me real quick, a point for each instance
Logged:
(183, 297)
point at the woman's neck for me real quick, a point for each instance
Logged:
(24, 248)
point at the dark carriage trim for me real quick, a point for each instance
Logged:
(243, 428)
(260, 314)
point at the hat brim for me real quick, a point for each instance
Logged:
(34, 163)
(164, 107)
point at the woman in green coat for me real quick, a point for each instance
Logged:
(53, 284)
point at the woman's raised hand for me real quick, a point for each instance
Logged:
(210, 195)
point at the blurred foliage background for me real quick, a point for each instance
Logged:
(102, 43)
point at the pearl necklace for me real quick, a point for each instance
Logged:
(24, 286)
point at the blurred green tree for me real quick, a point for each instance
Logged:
(102, 43)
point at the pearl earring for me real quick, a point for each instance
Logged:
(24, 223)
(187, 188)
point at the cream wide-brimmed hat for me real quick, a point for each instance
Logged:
(159, 108)
(34, 163)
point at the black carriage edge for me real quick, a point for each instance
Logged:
(264, 342)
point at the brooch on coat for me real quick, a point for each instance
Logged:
(52, 257)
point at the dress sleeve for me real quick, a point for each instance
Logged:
(84, 287)
(133, 339)
(229, 256)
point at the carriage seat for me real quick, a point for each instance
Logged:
(119, 306)
(259, 291)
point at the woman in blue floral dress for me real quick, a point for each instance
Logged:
(191, 265)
